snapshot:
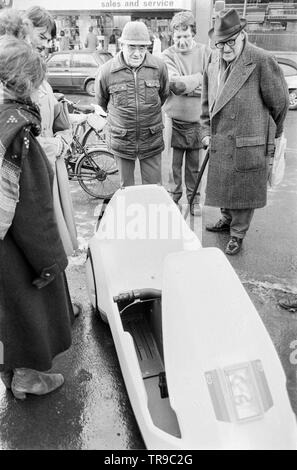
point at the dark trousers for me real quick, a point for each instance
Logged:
(239, 220)
(191, 173)
(150, 169)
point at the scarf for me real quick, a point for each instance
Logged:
(17, 120)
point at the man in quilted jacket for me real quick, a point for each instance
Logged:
(132, 88)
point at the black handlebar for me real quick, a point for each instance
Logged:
(81, 108)
(141, 294)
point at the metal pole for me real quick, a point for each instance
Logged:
(200, 174)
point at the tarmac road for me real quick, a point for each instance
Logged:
(92, 410)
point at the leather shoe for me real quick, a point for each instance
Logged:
(288, 304)
(220, 226)
(233, 246)
(195, 209)
(32, 381)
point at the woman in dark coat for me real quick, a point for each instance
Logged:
(35, 307)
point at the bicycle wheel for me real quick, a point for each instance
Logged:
(93, 138)
(97, 174)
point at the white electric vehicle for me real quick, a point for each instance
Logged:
(199, 366)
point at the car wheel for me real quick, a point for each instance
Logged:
(293, 99)
(90, 87)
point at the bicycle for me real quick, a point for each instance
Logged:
(92, 125)
(94, 167)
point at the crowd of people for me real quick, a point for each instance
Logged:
(139, 91)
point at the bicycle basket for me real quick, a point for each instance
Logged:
(96, 122)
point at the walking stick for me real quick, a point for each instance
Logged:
(200, 174)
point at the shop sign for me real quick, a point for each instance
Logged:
(104, 5)
(144, 4)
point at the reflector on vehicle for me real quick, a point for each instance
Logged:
(239, 392)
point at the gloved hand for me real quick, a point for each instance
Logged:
(177, 87)
(39, 282)
(46, 276)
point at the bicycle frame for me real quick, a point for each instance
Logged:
(92, 166)
(74, 155)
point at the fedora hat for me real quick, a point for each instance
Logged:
(227, 23)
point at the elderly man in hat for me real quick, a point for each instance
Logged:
(132, 87)
(244, 105)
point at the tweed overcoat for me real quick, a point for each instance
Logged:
(243, 120)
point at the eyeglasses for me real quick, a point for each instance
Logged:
(230, 42)
(133, 48)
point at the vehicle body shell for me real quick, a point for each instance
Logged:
(204, 325)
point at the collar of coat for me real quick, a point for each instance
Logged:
(241, 70)
(120, 64)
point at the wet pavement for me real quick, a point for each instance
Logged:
(92, 409)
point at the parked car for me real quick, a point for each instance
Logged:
(75, 70)
(288, 63)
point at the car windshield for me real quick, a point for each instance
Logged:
(59, 60)
(84, 60)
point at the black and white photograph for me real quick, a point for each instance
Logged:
(148, 227)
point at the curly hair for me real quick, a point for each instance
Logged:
(11, 23)
(182, 20)
(22, 70)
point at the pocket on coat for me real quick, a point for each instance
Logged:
(118, 131)
(250, 153)
(155, 139)
(116, 137)
(119, 96)
(152, 91)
